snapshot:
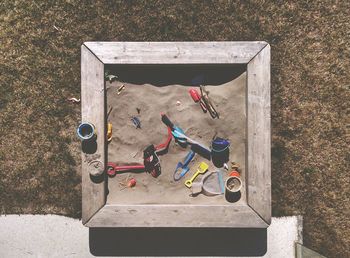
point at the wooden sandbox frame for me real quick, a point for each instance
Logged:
(256, 213)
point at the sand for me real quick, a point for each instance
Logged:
(128, 142)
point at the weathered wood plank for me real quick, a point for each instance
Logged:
(175, 52)
(259, 134)
(207, 216)
(93, 111)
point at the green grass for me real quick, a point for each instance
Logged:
(310, 41)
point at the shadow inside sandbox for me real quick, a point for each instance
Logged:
(184, 74)
(178, 241)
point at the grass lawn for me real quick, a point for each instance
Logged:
(310, 44)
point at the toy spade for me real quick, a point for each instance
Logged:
(176, 131)
(183, 140)
(210, 185)
(202, 168)
(207, 101)
(183, 166)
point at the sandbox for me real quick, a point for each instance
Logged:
(128, 142)
(155, 78)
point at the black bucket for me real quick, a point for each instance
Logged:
(220, 151)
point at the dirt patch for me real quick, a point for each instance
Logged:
(310, 45)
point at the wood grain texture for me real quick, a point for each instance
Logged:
(93, 111)
(259, 134)
(175, 52)
(207, 216)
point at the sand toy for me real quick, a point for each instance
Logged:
(151, 161)
(109, 132)
(120, 89)
(86, 131)
(178, 174)
(150, 156)
(176, 131)
(198, 99)
(233, 184)
(208, 103)
(220, 151)
(184, 140)
(210, 185)
(113, 169)
(136, 122)
(202, 168)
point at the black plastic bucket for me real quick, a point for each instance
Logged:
(220, 151)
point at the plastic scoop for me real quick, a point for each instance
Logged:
(202, 168)
(210, 185)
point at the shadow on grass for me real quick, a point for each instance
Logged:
(177, 241)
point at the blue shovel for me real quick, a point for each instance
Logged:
(183, 166)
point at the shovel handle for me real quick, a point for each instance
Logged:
(203, 106)
(189, 182)
(201, 150)
(188, 158)
(167, 121)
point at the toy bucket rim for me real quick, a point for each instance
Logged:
(90, 136)
(240, 187)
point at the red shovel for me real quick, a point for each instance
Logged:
(113, 169)
(197, 98)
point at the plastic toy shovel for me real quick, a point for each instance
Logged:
(183, 166)
(202, 168)
(211, 184)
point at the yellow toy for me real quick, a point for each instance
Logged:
(202, 168)
(109, 132)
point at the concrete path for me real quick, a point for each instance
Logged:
(59, 236)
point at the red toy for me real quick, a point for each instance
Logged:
(131, 183)
(197, 98)
(113, 169)
(151, 163)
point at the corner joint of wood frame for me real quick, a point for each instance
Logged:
(85, 220)
(265, 218)
(85, 46)
(266, 47)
